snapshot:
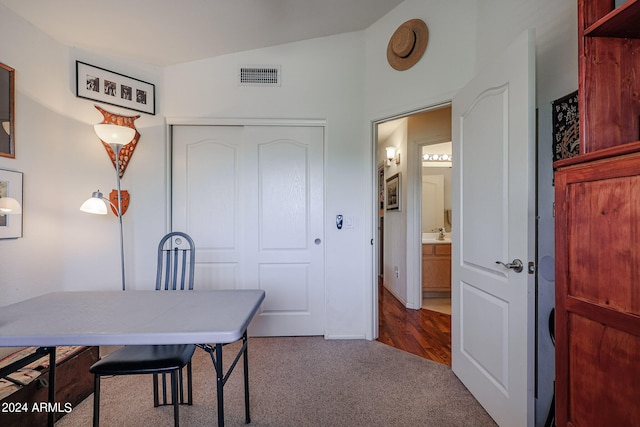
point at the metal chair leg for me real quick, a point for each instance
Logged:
(156, 400)
(189, 384)
(96, 401)
(181, 386)
(174, 395)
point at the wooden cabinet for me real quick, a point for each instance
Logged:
(74, 383)
(598, 293)
(598, 228)
(436, 267)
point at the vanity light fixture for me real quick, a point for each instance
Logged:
(392, 155)
(437, 157)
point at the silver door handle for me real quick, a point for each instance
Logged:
(516, 265)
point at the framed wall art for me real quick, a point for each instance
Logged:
(394, 192)
(7, 112)
(11, 186)
(98, 84)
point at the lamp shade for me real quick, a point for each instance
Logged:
(114, 134)
(391, 152)
(95, 204)
(9, 205)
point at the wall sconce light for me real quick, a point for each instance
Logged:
(9, 206)
(392, 155)
(117, 137)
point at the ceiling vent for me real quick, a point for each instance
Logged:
(259, 75)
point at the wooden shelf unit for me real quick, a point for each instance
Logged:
(609, 81)
(622, 22)
(597, 200)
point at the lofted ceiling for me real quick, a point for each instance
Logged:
(165, 32)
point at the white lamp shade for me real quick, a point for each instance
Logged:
(9, 205)
(114, 134)
(391, 152)
(94, 205)
(7, 127)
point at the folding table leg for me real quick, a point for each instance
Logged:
(247, 415)
(52, 385)
(220, 385)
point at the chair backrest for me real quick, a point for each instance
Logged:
(175, 262)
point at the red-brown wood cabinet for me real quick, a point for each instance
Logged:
(598, 228)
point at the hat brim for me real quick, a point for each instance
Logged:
(421, 32)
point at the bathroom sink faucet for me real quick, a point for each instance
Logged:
(441, 235)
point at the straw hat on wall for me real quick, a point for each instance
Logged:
(407, 44)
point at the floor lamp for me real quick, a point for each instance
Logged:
(116, 136)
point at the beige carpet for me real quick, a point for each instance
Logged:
(303, 381)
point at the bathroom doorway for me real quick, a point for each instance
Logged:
(436, 220)
(401, 231)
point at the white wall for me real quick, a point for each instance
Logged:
(63, 163)
(395, 230)
(447, 64)
(321, 79)
(28, 266)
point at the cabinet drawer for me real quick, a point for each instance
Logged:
(427, 250)
(442, 249)
(436, 250)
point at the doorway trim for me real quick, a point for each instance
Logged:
(413, 212)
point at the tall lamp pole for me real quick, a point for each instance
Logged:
(116, 136)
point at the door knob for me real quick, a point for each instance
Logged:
(516, 265)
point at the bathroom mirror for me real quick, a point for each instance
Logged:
(7, 111)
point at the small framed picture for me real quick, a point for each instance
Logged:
(7, 112)
(394, 192)
(11, 186)
(98, 84)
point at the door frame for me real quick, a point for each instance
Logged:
(414, 214)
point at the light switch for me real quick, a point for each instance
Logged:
(348, 222)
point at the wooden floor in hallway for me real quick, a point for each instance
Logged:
(424, 333)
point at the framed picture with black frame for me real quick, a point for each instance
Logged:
(7, 112)
(393, 193)
(109, 87)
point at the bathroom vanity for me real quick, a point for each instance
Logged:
(436, 264)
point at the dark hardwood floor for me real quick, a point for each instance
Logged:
(424, 333)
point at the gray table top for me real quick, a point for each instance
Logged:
(129, 318)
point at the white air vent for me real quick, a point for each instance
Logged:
(259, 75)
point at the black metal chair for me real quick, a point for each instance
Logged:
(175, 272)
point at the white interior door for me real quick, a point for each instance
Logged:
(251, 197)
(493, 206)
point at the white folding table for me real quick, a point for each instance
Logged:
(207, 318)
